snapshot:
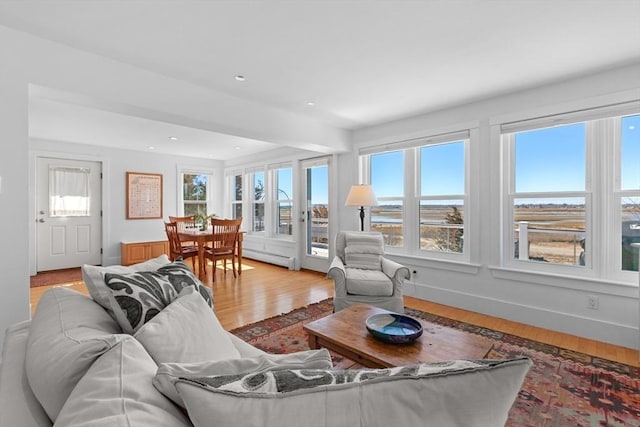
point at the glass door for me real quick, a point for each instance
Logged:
(315, 214)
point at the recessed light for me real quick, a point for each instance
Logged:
(237, 147)
(173, 138)
(240, 78)
(151, 147)
(311, 103)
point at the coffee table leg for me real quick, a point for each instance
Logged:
(313, 342)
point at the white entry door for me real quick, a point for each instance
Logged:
(315, 214)
(68, 213)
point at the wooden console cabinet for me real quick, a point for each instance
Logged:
(136, 252)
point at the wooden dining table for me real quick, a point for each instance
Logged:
(204, 237)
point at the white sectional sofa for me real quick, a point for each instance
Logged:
(86, 361)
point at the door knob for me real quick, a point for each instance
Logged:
(41, 220)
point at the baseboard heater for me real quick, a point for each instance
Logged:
(282, 260)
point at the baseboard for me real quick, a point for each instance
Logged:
(609, 332)
(281, 260)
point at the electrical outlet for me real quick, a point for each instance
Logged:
(592, 302)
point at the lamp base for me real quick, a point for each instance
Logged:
(361, 218)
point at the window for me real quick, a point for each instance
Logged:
(68, 191)
(283, 201)
(549, 202)
(195, 193)
(421, 189)
(630, 190)
(236, 195)
(572, 196)
(442, 195)
(257, 202)
(387, 180)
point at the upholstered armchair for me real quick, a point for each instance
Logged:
(362, 274)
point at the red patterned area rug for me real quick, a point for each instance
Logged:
(56, 277)
(563, 388)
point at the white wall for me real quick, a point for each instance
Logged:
(14, 286)
(111, 85)
(557, 303)
(115, 164)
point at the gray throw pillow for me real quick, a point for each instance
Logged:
(137, 297)
(457, 393)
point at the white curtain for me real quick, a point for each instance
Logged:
(68, 191)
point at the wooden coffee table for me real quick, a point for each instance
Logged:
(346, 334)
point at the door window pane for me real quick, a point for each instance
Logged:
(318, 211)
(68, 191)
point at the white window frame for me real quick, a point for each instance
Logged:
(253, 202)
(183, 170)
(602, 193)
(412, 195)
(273, 195)
(401, 197)
(231, 189)
(464, 255)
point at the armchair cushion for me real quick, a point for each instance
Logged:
(363, 257)
(368, 282)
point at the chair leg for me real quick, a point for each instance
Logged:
(233, 266)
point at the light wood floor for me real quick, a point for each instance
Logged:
(264, 291)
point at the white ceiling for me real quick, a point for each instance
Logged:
(360, 62)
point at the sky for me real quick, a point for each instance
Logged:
(551, 159)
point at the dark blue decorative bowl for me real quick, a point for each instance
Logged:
(394, 328)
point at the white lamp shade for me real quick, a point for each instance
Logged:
(361, 195)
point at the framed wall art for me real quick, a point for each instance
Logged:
(144, 195)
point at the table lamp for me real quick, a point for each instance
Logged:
(361, 195)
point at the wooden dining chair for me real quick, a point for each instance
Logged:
(223, 243)
(176, 247)
(186, 220)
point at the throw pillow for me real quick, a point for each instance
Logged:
(93, 277)
(18, 404)
(446, 394)
(363, 257)
(117, 391)
(137, 297)
(186, 331)
(169, 373)
(354, 238)
(69, 331)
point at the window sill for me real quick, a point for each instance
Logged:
(440, 264)
(588, 284)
